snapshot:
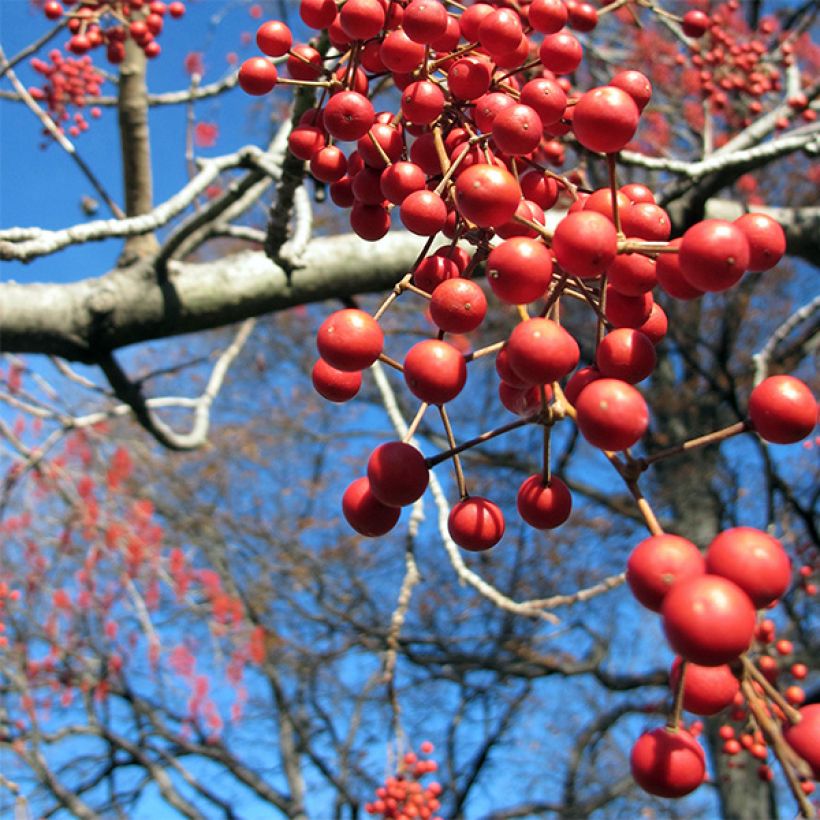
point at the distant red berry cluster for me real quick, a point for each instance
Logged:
(109, 23)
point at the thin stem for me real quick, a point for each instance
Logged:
(462, 487)
(474, 442)
(613, 190)
(383, 357)
(414, 425)
(694, 443)
(673, 723)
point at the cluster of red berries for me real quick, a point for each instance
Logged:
(403, 796)
(734, 68)
(483, 93)
(109, 23)
(68, 83)
(708, 605)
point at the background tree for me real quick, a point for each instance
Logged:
(201, 629)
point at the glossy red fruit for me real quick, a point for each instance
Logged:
(656, 326)
(627, 311)
(544, 506)
(500, 32)
(333, 384)
(361, 19)
(695, 23)
(767, 242)
(469, 78)
(318, 14)
(632, 274)
(476, 524)
(389, 140)
(804, 737)
(487, 195)
(636, 84)
(605, 119)
(432, 271)
(348, 115)
(713, 255)
(707, 690)
(626, 354)
(365, 513)
(524, 401)
(546, 97)
(434, 371)
(458, 305)
(612, 414)
(658, 563)
(560, 53)
(754, 560)
(708, 619)
(328, 164)
(579, 380)
(397, 473)
(423, 213)
(274, 38)
(517, 130)
(782, 409)
(400, 179)
(519, 270)
(399, 53)
(257, 76)
(350, 339)
(540, 189)
(547, 16)
(422, 102)
(667, 762)
(585, 243)
(670, 276)
(370, 222)
(425, 20)
(307, 65)
(541, 351)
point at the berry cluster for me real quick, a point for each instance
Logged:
(68, 83)
(707, 603)
(483, 97)
(734, 68)
(403, 796)
(109, 23)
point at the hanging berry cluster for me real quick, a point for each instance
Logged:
(109, 23)
(403, 796)
(484, 96)
(69, 82)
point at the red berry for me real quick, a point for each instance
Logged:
(767, 242)
(658, 563)
(541, 351)
(365, 513)
(667, 762)
(605, 119)
(397, 473)
(350, 339)
(458, 305)
(754, 560)
(487, 195)
(519, 270)
(476, 524)
(335, 385)
(585, 243)
(708, 619)
(612, 414)
(544, 505)
(707, 690)
(435, 371)
(713, 255)
(257, 76)
(782, 409)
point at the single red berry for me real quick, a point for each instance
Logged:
(767, 242)
(782, 409)
(713, 255)
(585, 243)
(519, 270)
(397, 473)
(605, 119)
(350, 339)
(707, 690)
(611, 414)
(541, 351)
(476, 524)
(708, 619)
(365, 513)
(257, 76)
(435, 371)
(667, 762)
(544, 505)
(458, 305)
(487, 195)
(333, 384)
(754, 560)
(658, 563)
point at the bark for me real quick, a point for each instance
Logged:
(132, 108)
(86, 319)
